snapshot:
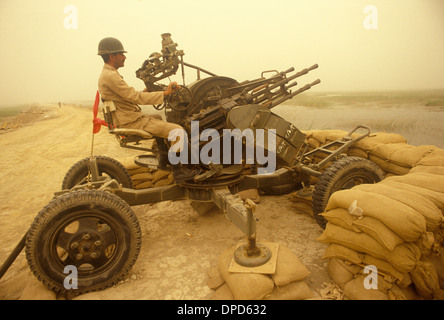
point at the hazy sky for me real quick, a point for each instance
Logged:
(49, 47)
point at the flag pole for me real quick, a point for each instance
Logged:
(95, 128)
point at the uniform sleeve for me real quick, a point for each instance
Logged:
(120, 88)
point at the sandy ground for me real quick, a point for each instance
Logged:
(179, 246)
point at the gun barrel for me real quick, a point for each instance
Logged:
(278, 101)
(265, 92)
(282, 82)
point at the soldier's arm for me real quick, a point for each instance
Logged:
(127, 93)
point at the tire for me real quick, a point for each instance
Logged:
(344, 173)
(94, 231)
(79, 172)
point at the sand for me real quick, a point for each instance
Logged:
(179, 246)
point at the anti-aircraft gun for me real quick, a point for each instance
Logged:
(214, 101)
(220, 103)
(89, 225)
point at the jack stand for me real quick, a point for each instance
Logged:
(306, 191)
(251, 257)
(251, 254)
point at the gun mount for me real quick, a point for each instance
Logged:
(215, 90)
(210, 100)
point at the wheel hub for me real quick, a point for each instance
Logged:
(86, 245)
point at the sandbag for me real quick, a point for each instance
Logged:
(129, 163)
(388, 166)
(378, 138)
(401, 154)
(288, 267)
(373, 227)
(143, 185)
(143, 176)
(341, 272)
(428, 169)
(298, 290)
(138, 170)
(433, 158)
(432, 214)
(337, 251)
(312, 143)
(425, 280)
(159, 175)
(388, 271)
(357, 152)
(400, 218)
(378, 231)
(437, 260)
(162, 183)
(355, 290)
(222, 293)
(244, 286)
(436, 197)
(215, 279)
(403, 257)
(341, 217)
(325, 136)
(434, 182)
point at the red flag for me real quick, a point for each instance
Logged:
(97, 123)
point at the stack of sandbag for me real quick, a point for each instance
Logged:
(318, 138)
(398, 158)
(388, 150)
(396, 225)
(286, 283)
(143, 177)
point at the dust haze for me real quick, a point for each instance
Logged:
(49, 47)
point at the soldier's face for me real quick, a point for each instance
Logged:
(118, 59)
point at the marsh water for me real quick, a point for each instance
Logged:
(418, 116)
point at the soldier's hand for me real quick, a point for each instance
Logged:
(172, 87)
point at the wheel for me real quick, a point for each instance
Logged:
(79, 172)
(92, 232)
(344, 173)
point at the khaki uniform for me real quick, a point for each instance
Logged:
(128, 114)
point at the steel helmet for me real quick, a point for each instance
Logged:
(110, 45)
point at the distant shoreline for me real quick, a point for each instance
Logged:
(27, 115)
(429, 97)
(15, 110)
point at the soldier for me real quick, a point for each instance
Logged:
(126, 99)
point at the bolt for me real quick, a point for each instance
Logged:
(86, 236)
(74, 245)
(94, 255)
(98, 243)
(79, 256)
